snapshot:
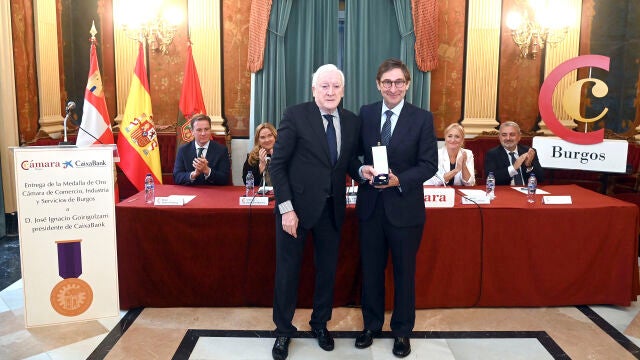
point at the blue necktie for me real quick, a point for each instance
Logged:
(385, 134)
(518, 177)
(331, 139)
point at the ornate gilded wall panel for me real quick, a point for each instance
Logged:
(446, 80)
(237, 80)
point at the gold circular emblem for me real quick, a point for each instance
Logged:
(71, 297)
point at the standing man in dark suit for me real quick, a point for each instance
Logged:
(316, 144)
(512, 163)
(392, 216)
(201, 161)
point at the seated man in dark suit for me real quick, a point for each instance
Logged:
(201, 161)
(512, 163)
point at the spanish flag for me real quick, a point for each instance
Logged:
(138, 141)
(191, 101)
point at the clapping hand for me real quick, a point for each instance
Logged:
(531, 154)
(462, 159)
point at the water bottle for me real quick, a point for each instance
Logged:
(491, 186)
(249, 184)
(532, 185)
(149, 190)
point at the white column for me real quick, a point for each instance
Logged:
(126, 51)
(204, 27)
(8, 110)
(558, 53)
(482, 63)
(47, 66)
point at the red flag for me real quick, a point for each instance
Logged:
(138, 141)
(191, 101)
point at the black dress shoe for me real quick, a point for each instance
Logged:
(280, 349)
(325, 340)
(401, 346)
(365, 339)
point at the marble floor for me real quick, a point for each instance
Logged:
(582, 332)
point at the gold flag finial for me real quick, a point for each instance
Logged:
(93, 30)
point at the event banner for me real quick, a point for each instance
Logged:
(607, 156)
(66, 216)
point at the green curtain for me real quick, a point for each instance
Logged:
(305, 37)
(419, 92)
(371, 36)
(269, 97)
(311, 41)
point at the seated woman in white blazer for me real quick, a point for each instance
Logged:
(455, 164)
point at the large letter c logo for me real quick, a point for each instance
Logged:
(546, 94)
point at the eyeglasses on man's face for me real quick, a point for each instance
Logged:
(386, 84)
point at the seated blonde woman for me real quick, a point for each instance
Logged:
(265, 138)
(455, 164)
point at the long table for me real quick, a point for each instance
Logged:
(214, 252)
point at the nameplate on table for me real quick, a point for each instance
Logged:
(254, 200)
(169, 201)
(557, 200)
(473, 196)
(439, 197)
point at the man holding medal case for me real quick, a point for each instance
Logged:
(400, 136)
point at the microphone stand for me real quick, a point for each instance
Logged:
(264, 178)
(64, 125)
(444, 183)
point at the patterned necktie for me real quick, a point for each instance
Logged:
(200, 150)
(331, 139)
(385, 134)
(517, 178)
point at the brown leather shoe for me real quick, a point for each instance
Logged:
(280, 349)
(401, 346)
(325, 340)
(365, 339)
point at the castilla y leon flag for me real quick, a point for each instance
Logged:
(191, 102)
(138, 141)
(96, 125)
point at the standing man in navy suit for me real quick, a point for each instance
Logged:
(510, 162)
(316, 144)
(392, 216)
(201, 161)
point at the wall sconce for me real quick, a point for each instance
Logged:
(150, 20)
(549, 26)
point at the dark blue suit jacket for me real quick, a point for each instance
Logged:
(217, 157)
(497, 161)
(300, 167)
(412, 155)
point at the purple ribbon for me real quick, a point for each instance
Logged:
(69, 259)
